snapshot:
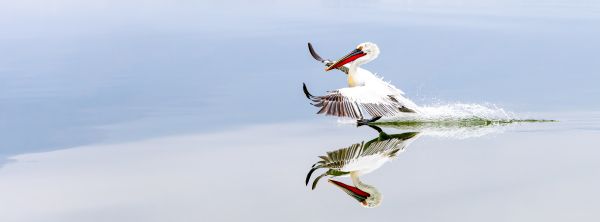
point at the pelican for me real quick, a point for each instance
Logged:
(366, 92)
(359, 159)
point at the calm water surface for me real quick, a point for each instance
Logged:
(535, 171)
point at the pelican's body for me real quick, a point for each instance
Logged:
(360, 159)
(366, 92)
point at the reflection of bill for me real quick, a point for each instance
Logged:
(359, 159)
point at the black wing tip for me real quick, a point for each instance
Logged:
(309, 175)
(306, 93)
(314, 54)
(316, 181)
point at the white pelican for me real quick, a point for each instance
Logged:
(365, 91)
(360, 159)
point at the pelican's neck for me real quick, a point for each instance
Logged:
(353, 68)
(374, 197)
(352, 78)
(356, 181)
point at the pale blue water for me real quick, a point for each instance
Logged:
(95, 99)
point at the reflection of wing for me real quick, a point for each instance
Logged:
(348, 102)
(362, 157)
(366, 157)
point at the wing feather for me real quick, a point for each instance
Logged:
(327, 62)
(334, 103)
(347, 102)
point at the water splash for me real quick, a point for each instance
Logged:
(458, 115)
(451, 129)
(456, 121)
(456, 112)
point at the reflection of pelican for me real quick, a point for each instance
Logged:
(360, 159)
(366, 92)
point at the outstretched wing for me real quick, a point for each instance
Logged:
(327, 62)
(348, 102)
(335, 104)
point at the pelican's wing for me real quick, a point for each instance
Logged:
(348, 102)
(327, 62)
(334, 103)
(376, 101)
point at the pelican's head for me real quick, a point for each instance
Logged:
(364, 53)
(367, 195)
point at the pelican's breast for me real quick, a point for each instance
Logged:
(356, 80)
(358, 77)
(351, 81)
